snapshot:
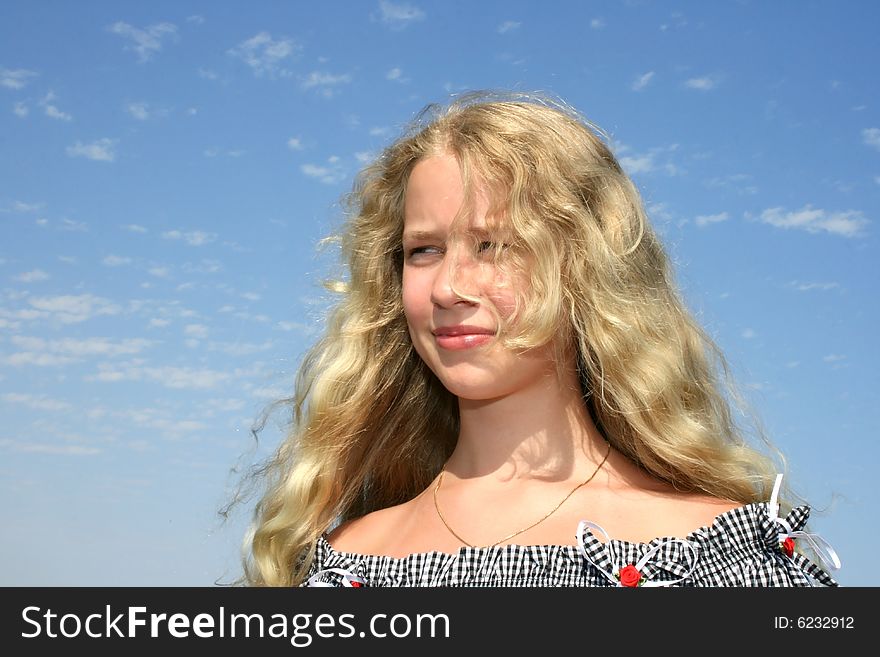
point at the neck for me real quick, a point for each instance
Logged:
(541, 432)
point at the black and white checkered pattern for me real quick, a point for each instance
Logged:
(740, 548)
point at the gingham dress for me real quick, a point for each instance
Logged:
(745, 546)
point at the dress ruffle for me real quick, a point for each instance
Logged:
(740, 548)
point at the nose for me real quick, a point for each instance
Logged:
(452, 270)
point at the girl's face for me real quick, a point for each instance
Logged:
(451, 333)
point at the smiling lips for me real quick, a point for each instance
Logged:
(463, 336)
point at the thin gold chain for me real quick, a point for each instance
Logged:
(525, 529)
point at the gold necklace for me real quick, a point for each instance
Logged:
(525, 529)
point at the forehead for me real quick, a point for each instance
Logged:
(436, 198)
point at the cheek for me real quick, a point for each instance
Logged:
(503, 294)
(504, 301)
(413, 298)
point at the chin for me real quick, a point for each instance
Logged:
(473, 390)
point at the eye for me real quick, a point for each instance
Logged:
(417, 250)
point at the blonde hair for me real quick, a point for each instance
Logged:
(372, 425)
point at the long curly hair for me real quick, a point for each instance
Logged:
(372, 425)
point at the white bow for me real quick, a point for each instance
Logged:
(820, 546)
(615, 579)
(348, 579)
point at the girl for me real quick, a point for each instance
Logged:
(511, 391)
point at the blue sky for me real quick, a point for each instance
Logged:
(167, 168)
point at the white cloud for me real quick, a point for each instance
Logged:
(145, 42)
(25, 314)
(508, 26)
(263, 54)
(54, 113)
(71, 309)
(815, 220)
(806, 287)
(75, 226)
(101, 150)
(206, 266)
(44, 448)
(637, 164)
(15, 78)
(32, 276)
(37, 403)
(20, 109)
(214, 152)
(38, 359)
(676, 21)
(156, 322)
(135, 228)
(642, 81)
(393, 74)
(703, 84)
(156, 418)
(741, 183)
(240, 348)
(224, 405)
(329, 175)
(82, 347)
(193, 238)
(170, 377)
(295, 144)
(116, 261)
(399, 16)
(159, 272)
(748, 333)
(325, 84)
(652, 161)
(196, 330)
(20, 206)
(706, 219)
(871, 136)
(140, 111)
(269, 392)
(597, 23)
(299, 327)
(52, 110)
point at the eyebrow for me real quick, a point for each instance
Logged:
(417, 235)
(421, 235)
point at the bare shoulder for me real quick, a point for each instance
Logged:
(679, 514)
(367, 534)
(355, 535)
(641, 508)
(702, 510)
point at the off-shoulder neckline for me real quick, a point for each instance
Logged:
(758, 507)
